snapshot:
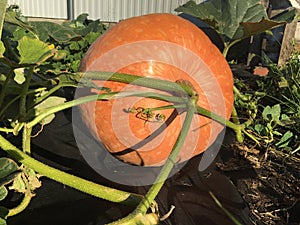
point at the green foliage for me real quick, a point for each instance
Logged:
(2, 49)
(228, 16)
(47, 103)
(274, 106)
(8, 172)
(28, 45)
(234, 20)
(37, 59)
(52, 49)
(7, 167)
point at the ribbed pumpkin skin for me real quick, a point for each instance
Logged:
(179, 50)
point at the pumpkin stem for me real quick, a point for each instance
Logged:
(148, 200)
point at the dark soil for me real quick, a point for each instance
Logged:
(267, 180)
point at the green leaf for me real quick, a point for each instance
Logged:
(7, 166)
(266, 113)
(60, 54)
(286, 120)
(33, 179)
(287, 16)
(19, 75)
(259, 128)
(9, 178)
(2, 49)
(3, 5)
(18, 184)
(3, 213)
(235, 19)
(34, 51)
(83, 26)
(285, 139)
(56, 31)
(2, 221)
(276, 111)
(49, 102)
(11, 17)
(272, 113)
(3, 192)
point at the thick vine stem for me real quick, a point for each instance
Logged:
(166, 169)
(139, 218)
(23, 99)
(239, 129)
(105, 96)
(26, 139)
(149, 82)
(23, 205)
(78, 183)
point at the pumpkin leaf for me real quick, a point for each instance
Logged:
(56, 31)
(34, 51)
(2, 221)
(49, 102)
(3, 213)
(272, 113)
(19, 75)
(12, 17)
(33, 179)
(18, 184)
(285, 139)
(3, 192)
(235, 19)
(2, 49)
(7, 166)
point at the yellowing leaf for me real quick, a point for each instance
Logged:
(19, 75)
(49, 102)
(33, 51)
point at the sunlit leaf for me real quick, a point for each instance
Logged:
(2, 49)
(276, 111)
(19, 75)
(267, 112)
(49, 102)
(33, 179)
(18, 184)
(3, 192)
(235, 19)
(33, 51)
(2, 221)
(272, 113)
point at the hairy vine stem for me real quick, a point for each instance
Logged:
(78, 183)
(141, 209)
(24, 93)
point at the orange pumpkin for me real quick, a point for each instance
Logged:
(162, 46)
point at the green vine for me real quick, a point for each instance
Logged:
(83, 185)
